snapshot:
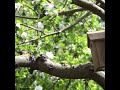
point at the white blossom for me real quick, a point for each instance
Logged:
(24, 35)
(61, 26)
(17, 6)
(81, 23)
(50, 55)
(18, 25)
(55, 12)
(24, 76)
(87, 50)
(41, 74)
(39, 44)
(40, 26)
(25, 9)
(72, 46)
(49, 6)
(35, 1)
(38, 88)
(35, 83)
(46, 13)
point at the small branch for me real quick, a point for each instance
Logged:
(28, 41)
(90, 6)
(69, 27)
(33, 28)
(25, 17)
(70, 12)
(48, 1)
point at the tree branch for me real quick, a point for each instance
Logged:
(101, 3)
(32, 28)
(69, 27)
(90, 6)
(44, 64)
(62, 30)
(69, 12)
(25, 17)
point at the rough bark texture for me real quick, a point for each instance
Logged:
(82, 71)
(90, 6)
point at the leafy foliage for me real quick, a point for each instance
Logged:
(67, 47)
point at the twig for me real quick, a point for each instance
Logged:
(27, 42)
(48, 1)
(25, 17)
(70, 12)
(33, 28)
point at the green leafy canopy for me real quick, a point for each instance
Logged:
(68, 47)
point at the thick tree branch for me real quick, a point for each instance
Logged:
(44, 64)
(90, 6)
(22, 61)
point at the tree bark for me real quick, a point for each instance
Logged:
(82, 71)
(90, 6)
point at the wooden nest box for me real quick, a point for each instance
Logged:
(96, 42)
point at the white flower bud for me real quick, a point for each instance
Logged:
(50, 6)
(17, 6)
(24, 35)
(50, 55)
(72, 46)
(18, 25)
(40, 26)
(38, 88)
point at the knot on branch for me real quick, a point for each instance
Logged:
(41, 59)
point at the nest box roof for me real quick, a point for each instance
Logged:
(96, 35)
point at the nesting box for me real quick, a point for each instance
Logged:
(96, 42)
